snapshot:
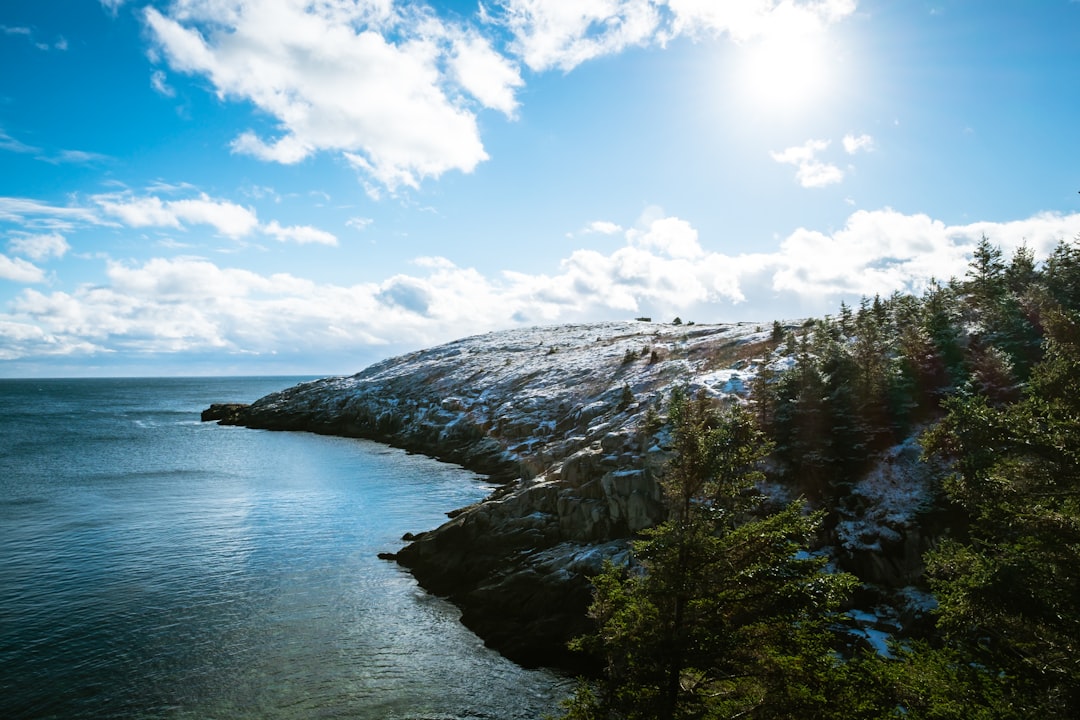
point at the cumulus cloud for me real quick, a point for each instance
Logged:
(662, 269)
(558, 34)
(673, 237)
(488, 76)
(39, 247)
(395, 88)
(554, 34)
(364, 78)
(810, 172)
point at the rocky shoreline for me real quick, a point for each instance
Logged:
(556, 417)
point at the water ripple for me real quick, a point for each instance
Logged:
(156, 567)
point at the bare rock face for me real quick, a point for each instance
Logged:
(556, 415)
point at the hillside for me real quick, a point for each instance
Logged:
(557, 416)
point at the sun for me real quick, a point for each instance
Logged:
(783, 72)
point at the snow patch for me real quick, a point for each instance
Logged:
(888, 499)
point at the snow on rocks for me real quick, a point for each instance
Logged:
(882, 529)
(555, 415)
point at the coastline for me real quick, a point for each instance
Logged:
(554, 417)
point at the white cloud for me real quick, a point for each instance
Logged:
(39, 215)
(810, 172)
(227, 218)
(394, 88)
(74, 157)
(818, 174)
(558, 34)
(39, 247)
(854, 143)
(160, 84)
(603, 227)
(61, 42)
(662, 270)
(674, 237)
(22, 339)
(19, 270)
(10, 144)
(744, 20)
(875, 252)
(485, 74)
(303, 234)
(364, 78)
(359, 223)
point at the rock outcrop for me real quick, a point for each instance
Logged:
(555, 416)
(224, 413)
(558, 417)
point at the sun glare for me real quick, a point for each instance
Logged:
(784, 72)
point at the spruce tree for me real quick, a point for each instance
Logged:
(1010, 593)
(724, 614)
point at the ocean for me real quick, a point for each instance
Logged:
(153, 566)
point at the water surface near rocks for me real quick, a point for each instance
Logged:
(153, 566)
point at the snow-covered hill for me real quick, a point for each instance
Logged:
(555, 416)
(554, 413)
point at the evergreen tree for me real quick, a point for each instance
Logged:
(725, 617)
(1062, 275)
(1010, 594)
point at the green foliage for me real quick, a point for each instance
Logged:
(724, 616)
(923, 683)
(1062, 275)
(1010, 594)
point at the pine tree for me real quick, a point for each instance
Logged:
(1062, 275)
(724, 617)
(1010, 594)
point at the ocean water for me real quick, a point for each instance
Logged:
(152, 566)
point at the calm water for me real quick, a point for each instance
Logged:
(152, 566)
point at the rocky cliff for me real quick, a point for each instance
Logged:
(556, 415)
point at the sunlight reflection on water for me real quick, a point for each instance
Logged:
(154, 566)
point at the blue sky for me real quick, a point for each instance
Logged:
(287, 186)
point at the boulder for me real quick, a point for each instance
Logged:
(224, 413)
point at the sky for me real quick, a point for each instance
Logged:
(239, 187)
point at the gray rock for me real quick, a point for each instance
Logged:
(549, 427)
